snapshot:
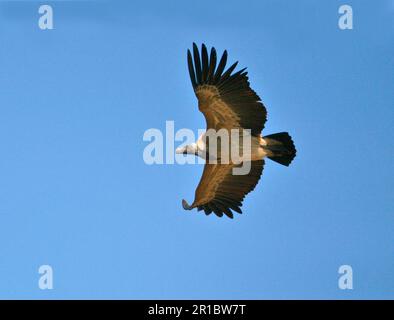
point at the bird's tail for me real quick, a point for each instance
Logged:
(280, 148)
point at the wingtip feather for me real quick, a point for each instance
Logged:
(185, 205)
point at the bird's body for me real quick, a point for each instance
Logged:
(255, 152)
(235, 118)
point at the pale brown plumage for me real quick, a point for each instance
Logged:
(220, 191)
(225, 99)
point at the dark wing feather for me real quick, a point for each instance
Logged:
(225, 98)
(191, 69)
(221, 66)
(205, 67)
(197, 63)
(220, 191)
(212, 65)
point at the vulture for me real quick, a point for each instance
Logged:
(228, 103)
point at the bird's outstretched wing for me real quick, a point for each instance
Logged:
(225, 98)
(220, 191)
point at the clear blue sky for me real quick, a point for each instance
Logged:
(76, 194)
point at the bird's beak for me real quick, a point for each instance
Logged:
(179, 150)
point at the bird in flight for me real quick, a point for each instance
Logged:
(228, 103)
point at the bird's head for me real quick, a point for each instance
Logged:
(188, 149)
